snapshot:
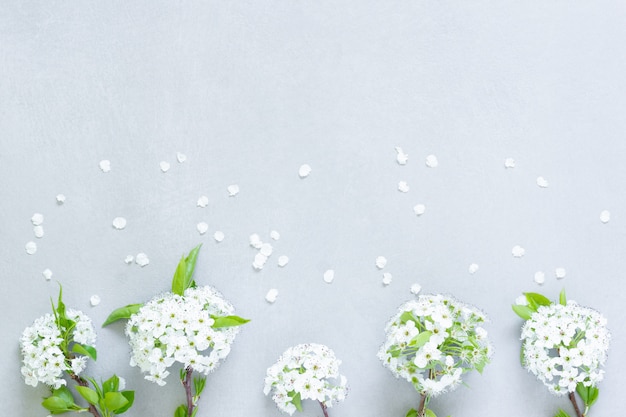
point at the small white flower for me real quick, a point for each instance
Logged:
(329, 276)
(401, 157)
(60, 199)
(129, 259)
(255, 241)
(94, 300)
(164, 165)
(38, 231)
(181, 157)
(560, 273)
(415, 289)
(387, 277)
(271, 295)
(473, 268)
(509, 163)
(274, 235)
(47, 274)
(202, 227)
(218, 236)
(37, 219)
(381, 261)
(283, 260)
(540, 277)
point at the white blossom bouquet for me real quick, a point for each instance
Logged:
(565, 346)
(192, 326)
(431, 342)
(57, 346)
(306, 371)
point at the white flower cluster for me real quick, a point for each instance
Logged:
(43, 358)
(172, 328)
(565, 345)
(433, 340)
(303, 371)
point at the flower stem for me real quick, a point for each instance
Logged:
(422, 406)
(572, 398)
(324, 409)
(187, 384)
(83, 383)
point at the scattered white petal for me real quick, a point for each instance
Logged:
(60, 199)
(266, 249)
(403, 187)
(381, 261)
(387, 278)
(233, 190)
(509, 163)
(31, 248)
(129, 259)
(518, 251)
(419, 209)
(271, 295)
(47, 274)
(304, 171)
(605, 216)
(142, 259)
(259, 261)
(105, 165)
(181, 157)
(431, 161)
(37, 219)
(165, 166)
(255, 241)
(218, 236)
(203, 201)
(416, 288)
(283, 260)
(94, 300)
(119, 223)
(401, 157)
(473, 268)
(274, 235)
(540, 277)
(521, 300)
(542, 182)
(38, 230)
(202, 227)
(560, 273)
(329, 276)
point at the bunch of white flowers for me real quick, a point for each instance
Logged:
(180, 328)
(564, 345)
(43, 354)
(432, 341)
(303, 372)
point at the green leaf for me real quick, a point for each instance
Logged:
(593, 395)
(411, 413)
(114, 400)
(228, 321)
(65, 393)
(198, 385)
(521, 355)
(581, 389)
(429, 413)
(88, 394)
(60, 401)
(122, 313)
(562, 298)
(421, 339)
(181, 411)
(406, 316)
(524, 312)
(111, 385)
(130, 396)
(296, 400)
(538, 299)
(589, 395)
(183, 277)
(86, 350)
(561, 413)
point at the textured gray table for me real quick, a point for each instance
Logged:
(251, 90)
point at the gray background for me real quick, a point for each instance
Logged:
(249, 91)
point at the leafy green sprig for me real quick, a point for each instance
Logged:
(181, 282)
(106, 399)
(554, 319)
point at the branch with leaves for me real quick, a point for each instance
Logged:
(193, 326)
(431, 342)
(56, 348)
(565, 346)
